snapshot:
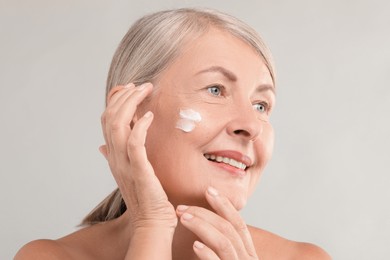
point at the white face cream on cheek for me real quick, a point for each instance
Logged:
(188, 118)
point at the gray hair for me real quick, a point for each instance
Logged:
(155, 40)
(149, 47)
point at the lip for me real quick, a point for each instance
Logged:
(235, 155)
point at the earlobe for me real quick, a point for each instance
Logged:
(103, 150)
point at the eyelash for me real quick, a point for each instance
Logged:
(266, 106)
(221, 89)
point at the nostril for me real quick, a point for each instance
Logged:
(241, 132)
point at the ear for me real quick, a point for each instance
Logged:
(103, 149)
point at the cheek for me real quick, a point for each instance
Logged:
(267, 141)
(168, 146)
(264, 149)
(188, 120)
(159, 135)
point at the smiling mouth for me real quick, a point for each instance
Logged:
(226, 160)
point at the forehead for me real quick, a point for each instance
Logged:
(218, 48)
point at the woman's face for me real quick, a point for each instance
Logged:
(227, 83)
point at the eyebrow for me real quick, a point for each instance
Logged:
(266, 87)
(227, 73)
(232, 77)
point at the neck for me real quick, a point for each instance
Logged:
(182, 244)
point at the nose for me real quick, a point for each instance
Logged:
(245, 124)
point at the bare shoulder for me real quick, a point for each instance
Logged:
(72, 246)
(309, 251)
(42, 249)
(272, 246)
(99, 241)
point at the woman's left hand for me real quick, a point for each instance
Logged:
(224, 233)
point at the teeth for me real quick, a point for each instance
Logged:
(226, 160)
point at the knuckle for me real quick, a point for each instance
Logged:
(121, 171)
(109, 113)
(226, 226)
(115, 125)
(224, 245)
(133, 143)
(240, 225)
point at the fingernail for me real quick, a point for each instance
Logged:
(187, 216)
(148, 114)
(182, 208)
(143, 86)
(198, 245)
(213, 192)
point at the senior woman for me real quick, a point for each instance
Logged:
(189, 97)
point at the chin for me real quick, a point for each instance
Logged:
(237, 193)
(238, 202)
(187, 194)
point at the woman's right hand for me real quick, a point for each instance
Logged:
(147, 203)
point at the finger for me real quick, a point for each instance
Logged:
(112, 107)
(224, 208)
(120, 97)
(127, 104)
(115, 98)
(142, 170)
(204, 252)
(119, 115)
(136, 142)
(109, 118)
(218, 222)
(120, 126)
(113, 94)
(210, 235)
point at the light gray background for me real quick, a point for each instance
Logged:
(329, 177)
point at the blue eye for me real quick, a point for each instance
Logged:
(214, 90)
(262, 108)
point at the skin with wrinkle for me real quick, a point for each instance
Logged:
(181, 202)
(185, 84)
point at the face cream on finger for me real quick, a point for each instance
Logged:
(188, 120)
